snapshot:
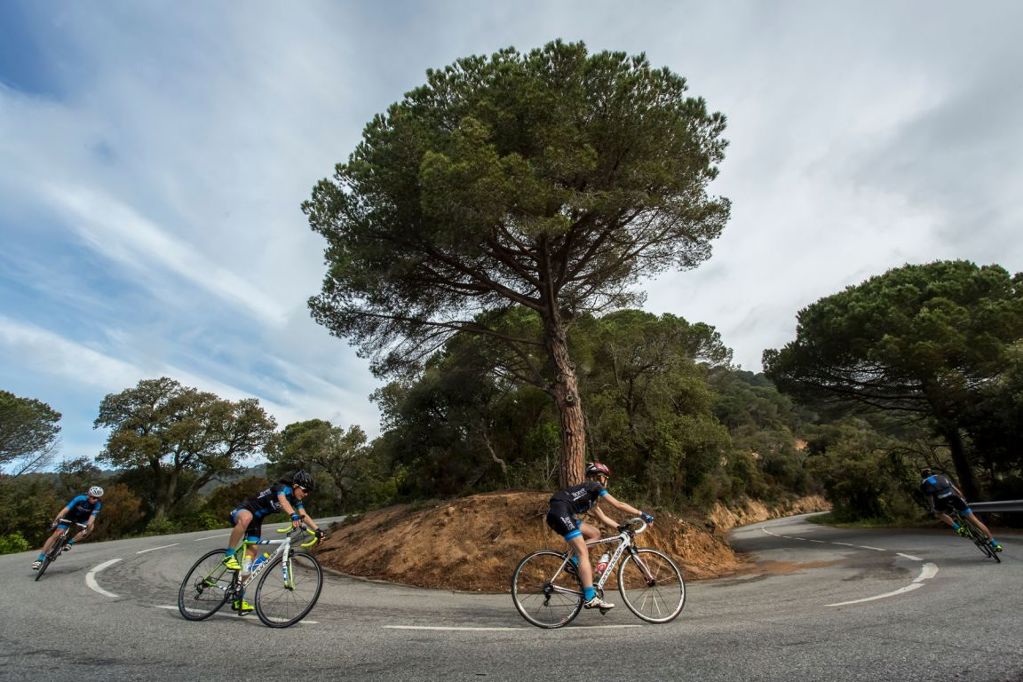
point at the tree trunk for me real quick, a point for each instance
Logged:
(963, 471)
(570, 408)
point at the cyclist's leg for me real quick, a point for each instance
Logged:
(57, 532)
(977, 523)
(241, 519)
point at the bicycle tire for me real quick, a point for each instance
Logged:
(273, 610)
(660, 600)
(533, 590)
(50, 557)
(209, 567)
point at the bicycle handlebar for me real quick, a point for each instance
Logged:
(636, 520)
(302, 527)
(69, 521)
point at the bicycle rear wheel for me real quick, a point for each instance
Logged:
(287, 591)
(206, 587)
(652, 586)
(545, 595)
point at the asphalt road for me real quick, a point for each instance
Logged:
(850, 605)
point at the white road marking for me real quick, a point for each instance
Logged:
(928, 571)
(90, 578)
(819, 542)
(876, 549)
(909, 556)
(233, 615)
(845, 544)
(153, 549)
(211, 537)
(486, 629)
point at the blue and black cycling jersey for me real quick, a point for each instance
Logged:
(942, 495)
(580, 498)
(565, 504)
(266, 502)
(80, 509)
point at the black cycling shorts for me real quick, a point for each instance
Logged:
(562, 521)
(254, 530)
(947, 504)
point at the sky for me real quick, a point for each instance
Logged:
(154, 156)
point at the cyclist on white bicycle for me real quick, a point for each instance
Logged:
(286, 496)
(81, 509)
(566, 504)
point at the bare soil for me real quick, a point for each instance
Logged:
(474, 543)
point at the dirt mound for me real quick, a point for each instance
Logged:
(722, 519)
(474, 543)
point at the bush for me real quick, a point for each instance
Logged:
(13, 542)
(162, 527)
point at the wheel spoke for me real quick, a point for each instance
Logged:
(652, 586)
(545, 595)
(287, 591)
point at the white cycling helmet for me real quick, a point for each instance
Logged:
(96, 491)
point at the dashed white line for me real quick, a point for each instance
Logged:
(928, 571)
(876, 549)
(153, 549)
(909, 556)
(212, 537)
(90, 578)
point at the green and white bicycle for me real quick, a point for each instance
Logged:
(288, 582)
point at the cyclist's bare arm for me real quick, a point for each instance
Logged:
(63, 512)
(618, 504)
(307, 520)
(604, 518)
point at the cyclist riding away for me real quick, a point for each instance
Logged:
(81, 509)
(286, 496)
(944, 496)
(566, 504)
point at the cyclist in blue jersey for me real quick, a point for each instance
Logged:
(285, 496)
(81, 509)
(566, 504)
(944, 496)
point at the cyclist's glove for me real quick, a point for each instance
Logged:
(646, 517)
(320, 534)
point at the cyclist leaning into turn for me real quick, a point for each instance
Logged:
(81, 509)
(579, 499)
(944, 496)
(286, 496)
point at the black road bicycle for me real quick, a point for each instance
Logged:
(975, 536)
(58, 545)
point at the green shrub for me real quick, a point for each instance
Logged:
(13, 542)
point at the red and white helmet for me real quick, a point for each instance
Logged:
(597, 469)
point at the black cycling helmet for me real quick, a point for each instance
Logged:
(926, 471)
(597, 469)
(303, 479)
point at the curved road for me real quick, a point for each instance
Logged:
(849, 605)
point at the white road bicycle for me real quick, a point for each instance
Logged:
(548, 593)
(288, 582)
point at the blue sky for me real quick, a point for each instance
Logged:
(153, 157)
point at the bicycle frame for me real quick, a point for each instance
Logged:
(625, 543)
(285, 547)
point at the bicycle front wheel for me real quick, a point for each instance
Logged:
(652, 586)
(545, 595)
(50, 557)
(206, 587)
(287, 591)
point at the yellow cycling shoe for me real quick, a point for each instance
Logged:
(231, 563)
(242, 606)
